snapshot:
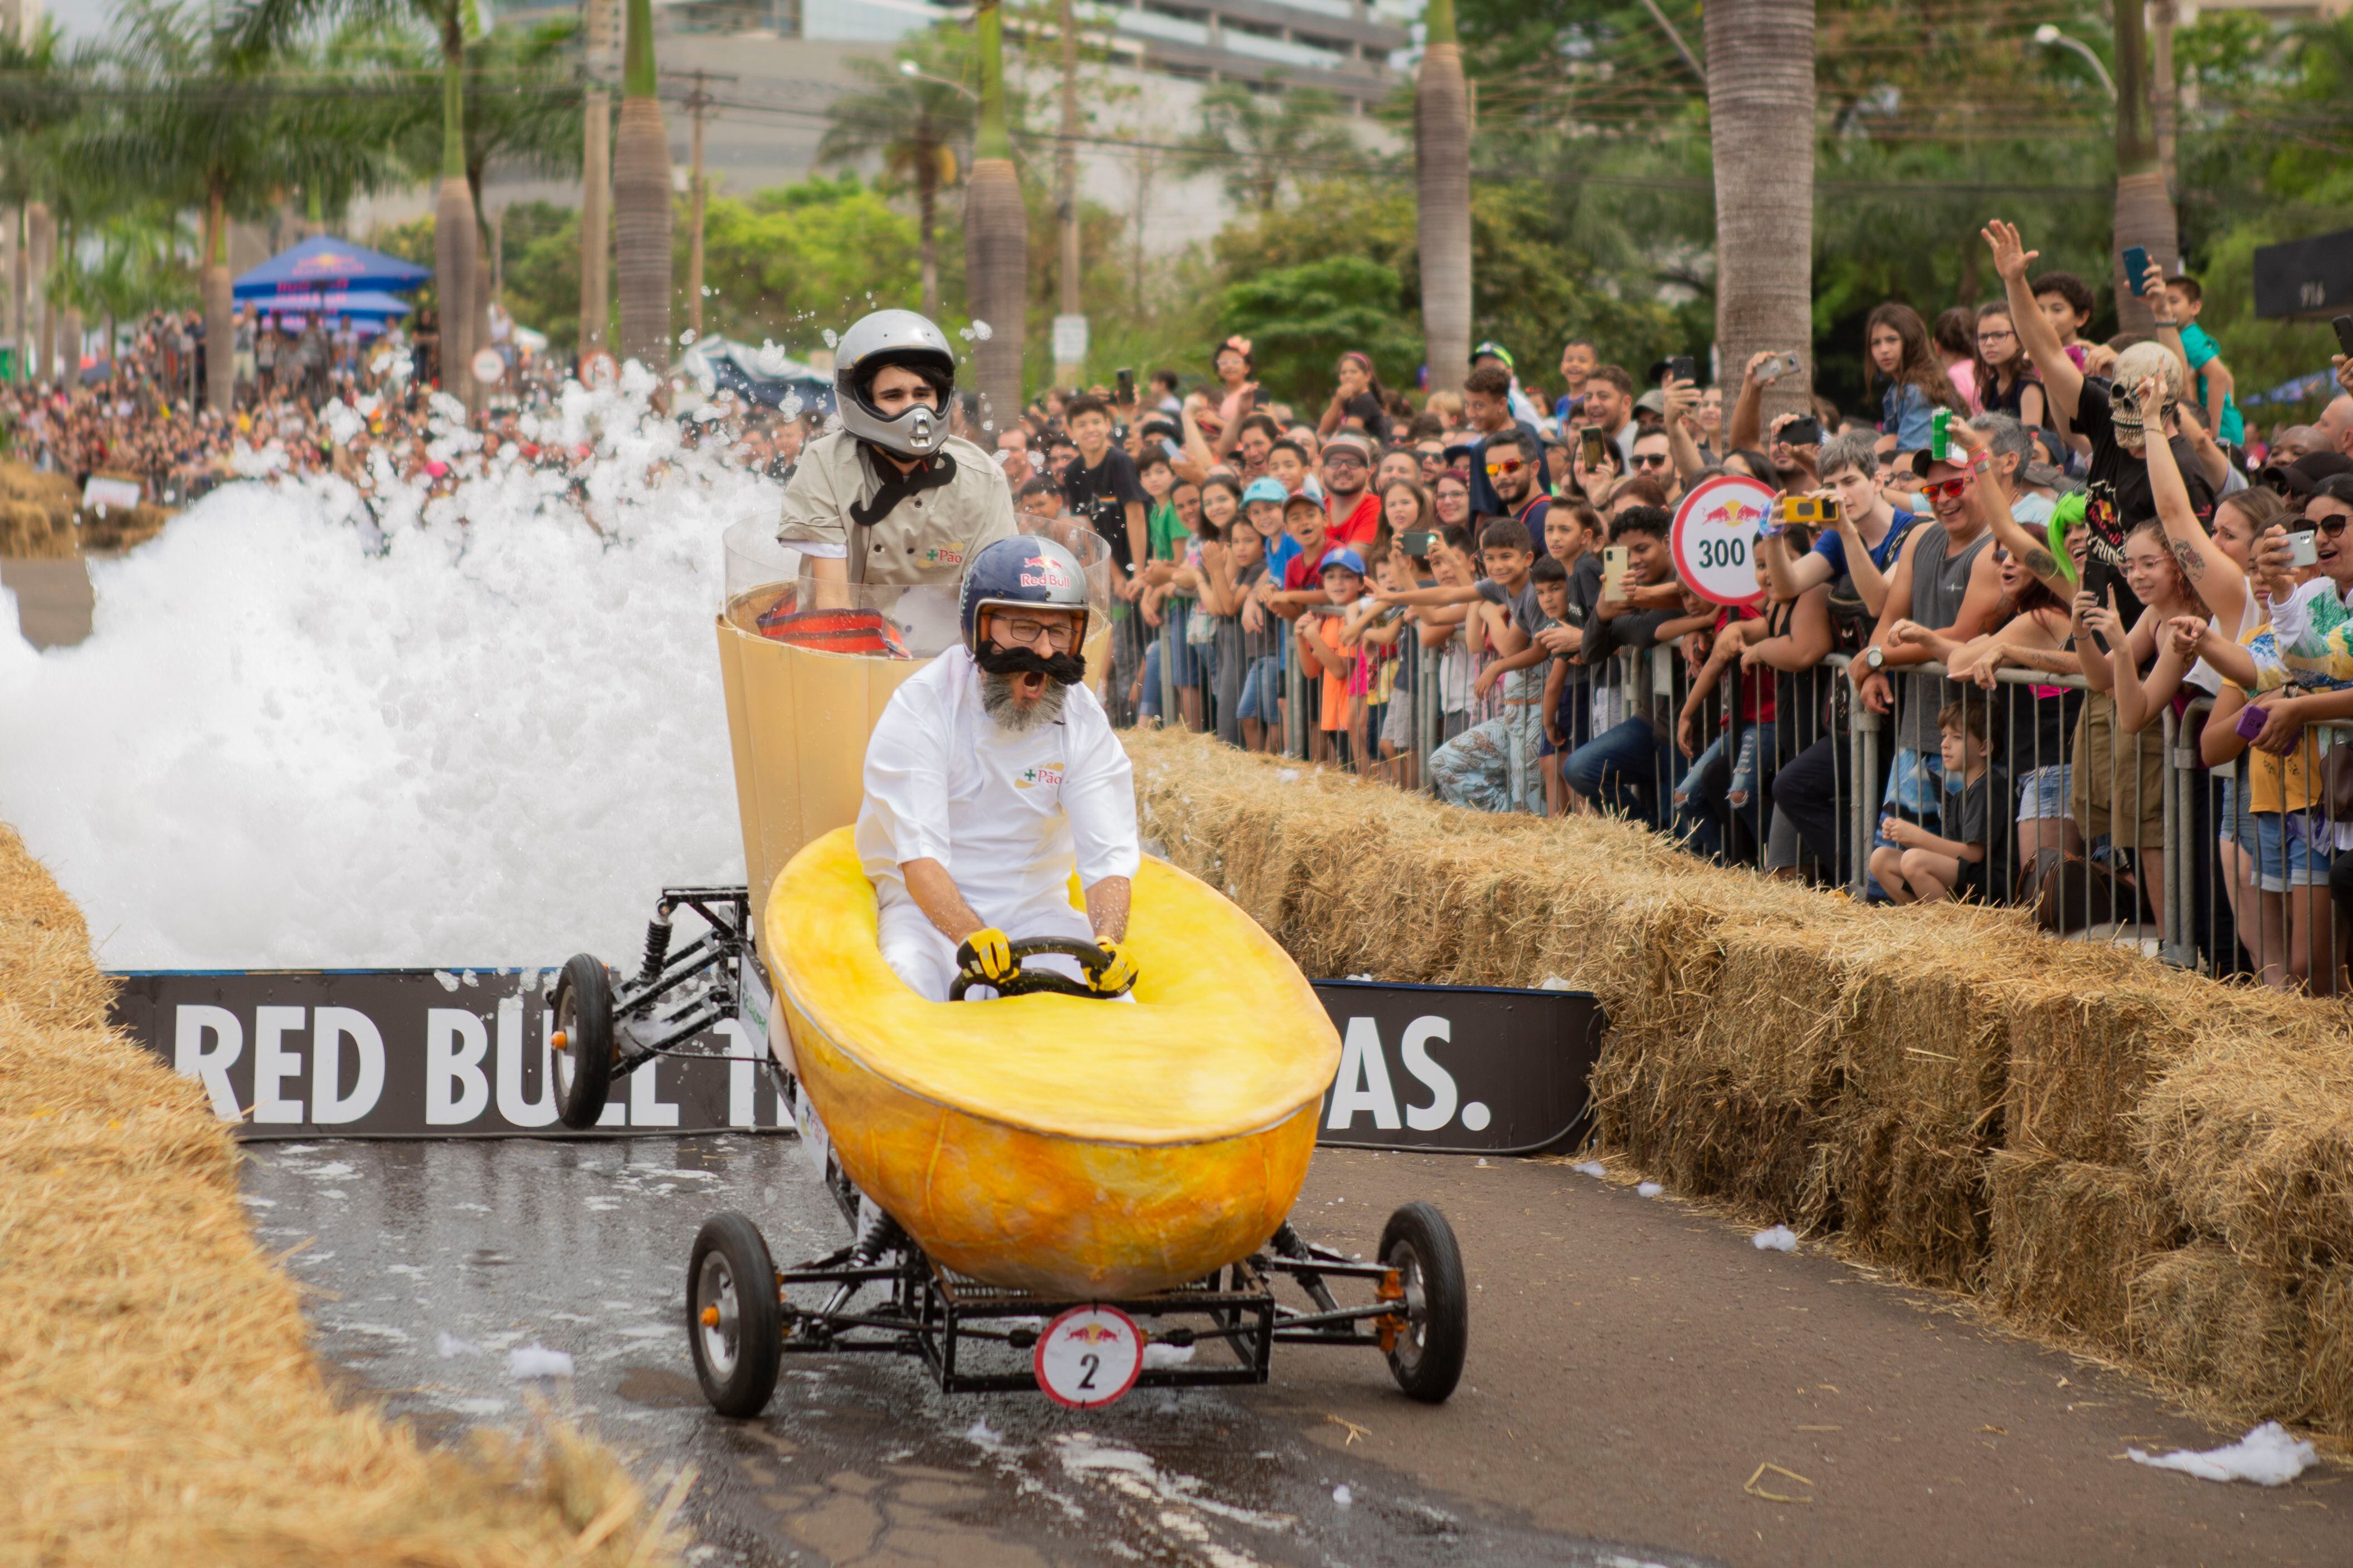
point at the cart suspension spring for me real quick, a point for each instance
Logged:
(656, 947)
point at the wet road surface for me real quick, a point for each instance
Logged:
(1632, 1362)
(444, 1269)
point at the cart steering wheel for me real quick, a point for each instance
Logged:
(1024, 982)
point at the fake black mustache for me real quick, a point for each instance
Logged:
(1066, 668)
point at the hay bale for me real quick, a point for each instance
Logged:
(2081, 1057)
(28, 533)
(2329, 1352)
(159, 1404)
(2204, 1319)
(2065, 1239)
(119, 527)
(2253, 1135)
(1911, 1194)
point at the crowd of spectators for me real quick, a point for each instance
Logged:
(1993, 568)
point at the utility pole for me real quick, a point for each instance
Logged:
(596, 181)
(696, 102)
(1071, 325)
(1143, 184)
(2162, 16)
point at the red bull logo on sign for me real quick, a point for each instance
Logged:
(1714, 538)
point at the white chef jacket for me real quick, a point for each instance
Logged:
(1007, 814)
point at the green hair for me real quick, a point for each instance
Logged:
(2066, 515)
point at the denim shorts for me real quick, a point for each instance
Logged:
(2290, 851)
(2043, 793)
(1262, 691)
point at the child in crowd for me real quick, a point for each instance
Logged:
(1040, 497)
(1491, 766)
(2205, 356)
(1375, 630)
(1724, 777)
(1908, 376)
(1571, 531)
(1322, 652)
(1917, 867)
(1260, 708)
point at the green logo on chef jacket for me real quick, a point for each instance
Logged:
(943, 555)
(1047, 773)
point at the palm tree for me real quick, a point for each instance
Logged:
(1257, 146)
(1760, 103)
(913, 107)
(1441, 150)
(263, 28)
(641, 203)
(38, 97)
(2144, 206)
(193, 119)
(996, 234)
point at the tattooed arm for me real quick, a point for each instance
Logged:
(2212, 575)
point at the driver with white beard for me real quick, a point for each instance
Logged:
(990, 775)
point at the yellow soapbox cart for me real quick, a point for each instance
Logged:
(1044, 1190)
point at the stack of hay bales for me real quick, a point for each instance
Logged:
(2128, 1157)
(159, 1403)
(37, 514)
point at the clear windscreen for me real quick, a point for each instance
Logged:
(770, 595)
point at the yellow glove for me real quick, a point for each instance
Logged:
(1119, 973)
(989, 951)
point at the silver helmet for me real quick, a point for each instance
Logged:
(887, 338)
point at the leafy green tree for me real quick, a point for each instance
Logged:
(1259, 144)
(914, 111)
(1301, 319)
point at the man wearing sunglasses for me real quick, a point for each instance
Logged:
(1513, 466)
(1946, 581)
(1487, 404)
(1352, 512)
(1654, 455)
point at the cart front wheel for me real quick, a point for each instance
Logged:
(734, 1320)
(1426, 1359)
(584, 1067)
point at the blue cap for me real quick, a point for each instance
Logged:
(1344, 556)
(1265, 490)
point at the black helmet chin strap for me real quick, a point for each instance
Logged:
(929, 474)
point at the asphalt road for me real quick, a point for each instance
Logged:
(1633, 1361)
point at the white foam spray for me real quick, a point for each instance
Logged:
(479, 729)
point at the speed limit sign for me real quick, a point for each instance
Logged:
(1714, 538)
(1089, 1357)
(488, 366)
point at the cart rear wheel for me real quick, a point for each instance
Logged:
(1427, 1361)
(584, 1068)
(734, 1320)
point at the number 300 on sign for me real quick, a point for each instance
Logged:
(1089, 1357)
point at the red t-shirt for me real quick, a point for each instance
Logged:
(1356, 530)
(1305, 571)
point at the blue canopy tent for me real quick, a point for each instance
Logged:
(330, 264)
(362, 303)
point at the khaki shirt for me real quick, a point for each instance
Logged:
(927, 538)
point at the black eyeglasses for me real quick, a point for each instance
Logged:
(2331, 526)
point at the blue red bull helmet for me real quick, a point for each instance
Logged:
(1025, 570)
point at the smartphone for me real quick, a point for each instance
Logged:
(1814, 512)
(2304, 547)
(1421, 546)
(2344, 325)
(1126, 378)
(1778, 365)
(2135, 266)
(1593, 439)
(1613, 571)
(2251, 722)
(1682, 367)
(1806, 432)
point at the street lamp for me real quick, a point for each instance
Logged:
(2049, 37)
(908, 69)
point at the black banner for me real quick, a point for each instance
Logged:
(413, 1053)
(1467, 1070)
(424, 1053)
(2306, 278)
